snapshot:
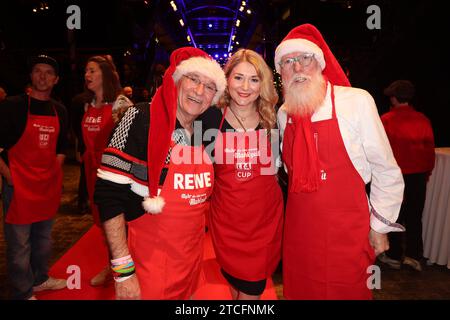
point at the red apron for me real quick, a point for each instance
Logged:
(35, 171)
(326, 249)
(97, 126)
(246, 216)
(167, 248)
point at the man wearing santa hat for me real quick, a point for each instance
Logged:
(156, 177)
(333, 145)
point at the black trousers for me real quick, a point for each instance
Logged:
(410, 243)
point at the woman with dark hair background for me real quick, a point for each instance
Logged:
(101, 115)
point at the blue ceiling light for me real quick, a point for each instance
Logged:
(174, 6)
(216, 56)
(210, 6)
(214, 27)
(235, 25)
(182, 10)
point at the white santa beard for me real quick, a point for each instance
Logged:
(304, 98)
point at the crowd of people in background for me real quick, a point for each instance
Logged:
(355, 179)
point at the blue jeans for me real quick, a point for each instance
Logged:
(28, 250)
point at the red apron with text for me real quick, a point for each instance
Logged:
(246, 215)
(97, 126)
(35, 170)
(326, 250)
(167, 248)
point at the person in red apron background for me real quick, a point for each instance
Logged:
(333, 145)
(101, 79)
(33, 135)
(246, 215)
(156, 177)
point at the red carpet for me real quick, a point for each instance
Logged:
(90, 255)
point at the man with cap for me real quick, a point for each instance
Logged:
(412, 141)
(33, 142)
(333, 145)
(156, 176)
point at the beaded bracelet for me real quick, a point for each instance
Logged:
(120, 279)
(121, 260)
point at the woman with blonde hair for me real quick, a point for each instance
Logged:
(246, 212)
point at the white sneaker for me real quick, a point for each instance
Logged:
(392, 263)
(413, 263)
(51, 284)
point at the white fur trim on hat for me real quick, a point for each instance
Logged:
(205, 66)
(153, 205)
(298, 45)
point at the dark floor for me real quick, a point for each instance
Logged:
(432, 283)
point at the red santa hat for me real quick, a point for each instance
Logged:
(306, 38)
(163, 113)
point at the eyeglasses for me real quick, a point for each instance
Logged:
(195, 81)
(304, 60)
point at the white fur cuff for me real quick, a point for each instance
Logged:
(153, 205)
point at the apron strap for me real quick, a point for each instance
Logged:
(223, 118)
(333, 113)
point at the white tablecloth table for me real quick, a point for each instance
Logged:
(436, 213)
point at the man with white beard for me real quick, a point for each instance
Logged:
(333, 145)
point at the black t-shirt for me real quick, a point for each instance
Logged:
(13, 120)
(211, 119)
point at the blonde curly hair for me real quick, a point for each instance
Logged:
(268, 97)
